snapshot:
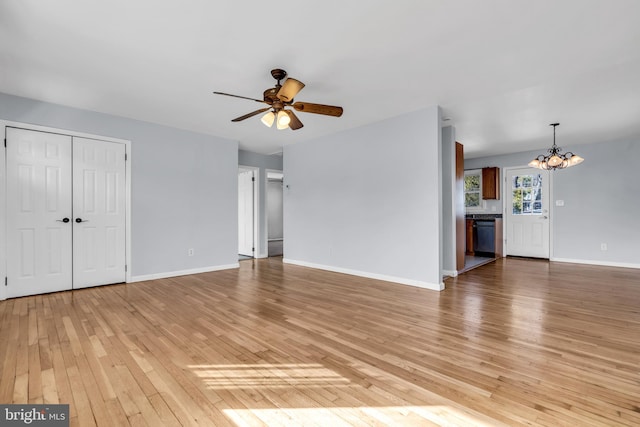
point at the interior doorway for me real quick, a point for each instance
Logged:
(247, 212)
(275, 217)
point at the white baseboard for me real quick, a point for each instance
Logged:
(592, 262)
(401, 280)
(182, 272)
(450, 273)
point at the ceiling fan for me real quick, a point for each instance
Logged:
(281, 96)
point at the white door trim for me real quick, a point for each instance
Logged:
(3, 193)
(504, 171)
(266, 210)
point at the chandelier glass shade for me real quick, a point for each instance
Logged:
(555, 159)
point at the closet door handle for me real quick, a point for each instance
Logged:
(79, 220)
(65, 220)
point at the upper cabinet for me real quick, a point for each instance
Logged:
(491, 183)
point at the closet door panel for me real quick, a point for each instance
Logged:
(99, 212)
(39, 194)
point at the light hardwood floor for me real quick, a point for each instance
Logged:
(515, 342)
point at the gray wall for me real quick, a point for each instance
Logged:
(184, 186)
(264, 162)
(601, 202)
(367, 200)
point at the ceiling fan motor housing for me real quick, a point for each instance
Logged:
(270, 95)
(278, 74)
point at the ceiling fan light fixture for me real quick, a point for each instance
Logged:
(268, 119)
(283, 120)
(281, 96)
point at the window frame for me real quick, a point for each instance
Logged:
(482, 204)
(532, 187)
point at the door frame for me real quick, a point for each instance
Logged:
(266, 210)
(506, 187)
(256, 205)
(3, 193)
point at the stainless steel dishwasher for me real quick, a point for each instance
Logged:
(485, 238)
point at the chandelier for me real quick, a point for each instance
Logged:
(554, 159)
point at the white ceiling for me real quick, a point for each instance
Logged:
(502, 70)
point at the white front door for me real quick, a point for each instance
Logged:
(98, 212)
(527, 212)
(245, 213)
(39, 213)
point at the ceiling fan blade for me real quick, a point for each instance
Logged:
(289, 89)
(295, 123)
(327, 110)
(238, 96)
(246, 116)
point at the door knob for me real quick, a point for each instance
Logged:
(545, 217)
(79, 220)
(65, 220)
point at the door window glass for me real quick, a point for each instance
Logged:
(527, 194)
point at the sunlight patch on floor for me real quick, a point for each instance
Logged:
(440, 415)
(298, 377)
(268, 375)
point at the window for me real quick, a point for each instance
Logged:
(527, 194)
(473, 189)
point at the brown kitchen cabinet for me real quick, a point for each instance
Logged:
(491, 183)
(469, 235)
(498, 239)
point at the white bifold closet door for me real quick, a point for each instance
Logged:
(98, 212)
(39, 252)
(65, 212)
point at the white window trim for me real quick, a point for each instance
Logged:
(483, 204)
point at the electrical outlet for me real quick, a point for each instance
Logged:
(559, 202)
(603, 246)
(190, 252)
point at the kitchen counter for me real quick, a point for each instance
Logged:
(483, 216)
